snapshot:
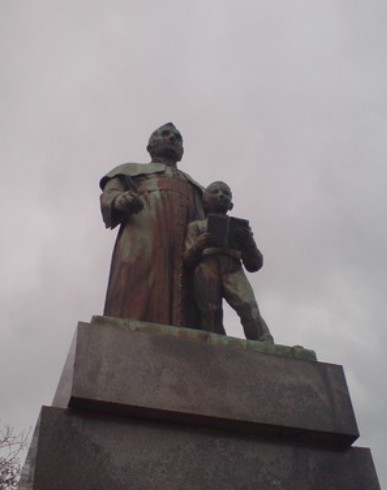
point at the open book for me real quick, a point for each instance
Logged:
(223, 228)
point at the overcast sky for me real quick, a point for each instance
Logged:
(285, 101)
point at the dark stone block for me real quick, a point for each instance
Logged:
(181, 375)
(78, 450)
(27, 476)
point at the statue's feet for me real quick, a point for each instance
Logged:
(267, 339)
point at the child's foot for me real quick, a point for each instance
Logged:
(268, 339)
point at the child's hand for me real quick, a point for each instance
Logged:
(244, 237)
(204, 240)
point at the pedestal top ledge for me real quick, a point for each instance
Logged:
(171, 373)
(294, 352)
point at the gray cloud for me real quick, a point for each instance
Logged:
(285, 101)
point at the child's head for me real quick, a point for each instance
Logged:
(217, 198)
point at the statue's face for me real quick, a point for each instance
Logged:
(217, 198)
(166, 142)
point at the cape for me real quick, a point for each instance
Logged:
(136, 169)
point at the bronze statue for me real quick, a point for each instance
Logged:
(153, 203)
(214, 249)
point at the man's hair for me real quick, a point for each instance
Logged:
(168, 125)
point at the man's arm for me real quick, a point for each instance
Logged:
(117, 202)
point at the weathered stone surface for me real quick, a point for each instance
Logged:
(27, 477)
(78, 450)
(177, 374)
(295, 352)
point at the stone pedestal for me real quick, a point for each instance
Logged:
(145, 406)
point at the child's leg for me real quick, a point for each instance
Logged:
(208, 295)
(240, 296)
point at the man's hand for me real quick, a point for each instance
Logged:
(129, 202)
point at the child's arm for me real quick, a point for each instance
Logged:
(252, 258)
(195, 243)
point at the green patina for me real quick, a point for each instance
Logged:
(293, 352)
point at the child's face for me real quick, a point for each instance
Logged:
(217, 198)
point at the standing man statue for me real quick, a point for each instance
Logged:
(153, 204)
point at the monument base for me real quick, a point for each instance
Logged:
(142, 406)
(82, 450)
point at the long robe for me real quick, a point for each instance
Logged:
(147, 280)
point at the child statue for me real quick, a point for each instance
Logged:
(215, 248)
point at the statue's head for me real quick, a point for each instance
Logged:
(217, 198)
(166, 142)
